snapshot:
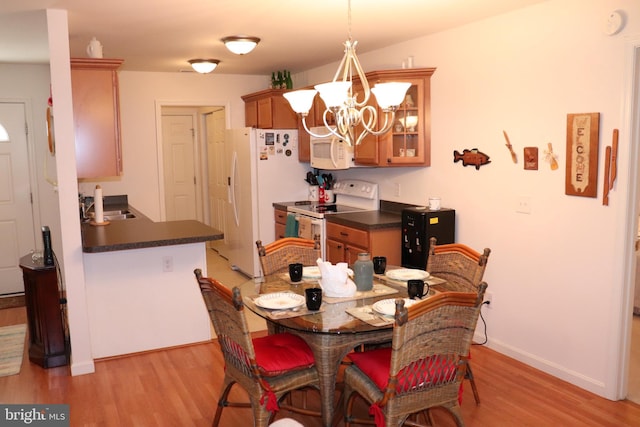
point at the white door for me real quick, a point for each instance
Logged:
(16, 216)
(217, 176)
(178, 140)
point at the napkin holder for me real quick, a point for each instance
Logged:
(335, 280)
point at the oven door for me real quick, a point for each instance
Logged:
(308, 227)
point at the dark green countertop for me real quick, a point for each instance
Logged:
(388, 216)
(367, 220)
(141, 232)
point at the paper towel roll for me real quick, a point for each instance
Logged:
(98, 207)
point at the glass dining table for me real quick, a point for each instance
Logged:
(340, 326)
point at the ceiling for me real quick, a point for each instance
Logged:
(161, 35)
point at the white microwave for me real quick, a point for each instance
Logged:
(331, 152)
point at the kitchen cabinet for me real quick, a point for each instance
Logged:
(344, 243)
(280, 216)
(268, 109)
(96, 116)
(408, 143)
(48, 340)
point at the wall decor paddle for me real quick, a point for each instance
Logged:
(551, 157)
(471, 157)
(510, 147)
(582, 154)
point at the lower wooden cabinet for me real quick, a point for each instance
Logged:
(280, 217)
(344, 243)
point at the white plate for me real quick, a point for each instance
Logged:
(279, 300)
(387, 307)
(406, 274)
(311, 272)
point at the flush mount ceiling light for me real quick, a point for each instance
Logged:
(204, 66)
(240, 45)
(350, 113)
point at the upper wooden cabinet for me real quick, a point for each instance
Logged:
(408, 143)
(268, 109)
(96, 116)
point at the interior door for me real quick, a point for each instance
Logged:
(215, 123)
(16, 216)
(178, 136)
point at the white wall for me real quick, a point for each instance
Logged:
(557, 276)
(140, 95)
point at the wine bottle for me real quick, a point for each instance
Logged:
(281, 83)
(288, 80)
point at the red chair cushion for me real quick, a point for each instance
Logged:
(376, 364)
(280, 353)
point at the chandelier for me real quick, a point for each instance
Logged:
(351, 115)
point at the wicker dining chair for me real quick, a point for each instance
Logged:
(423, 368)
(275, 257)
(267, 368)
(463, 268)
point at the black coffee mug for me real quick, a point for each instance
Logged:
(295, 272)
(379, 264)
(415, 288)
(313, 298)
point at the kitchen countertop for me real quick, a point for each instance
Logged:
(388, 216)
(141, 232)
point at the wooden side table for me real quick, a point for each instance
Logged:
(48, 342)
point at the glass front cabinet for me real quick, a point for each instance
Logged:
(408, 143)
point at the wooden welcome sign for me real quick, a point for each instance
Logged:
(582, 154)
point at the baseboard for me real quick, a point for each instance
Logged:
(551, 368)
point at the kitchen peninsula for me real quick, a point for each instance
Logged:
(141, 292)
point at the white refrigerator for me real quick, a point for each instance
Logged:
(262, 168)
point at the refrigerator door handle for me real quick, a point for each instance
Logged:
(232, 186)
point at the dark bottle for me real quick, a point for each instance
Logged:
(288, 80)
(280, 83)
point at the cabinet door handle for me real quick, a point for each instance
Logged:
(342, 233)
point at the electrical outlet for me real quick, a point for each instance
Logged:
(488, 299)
(167, 264)
(524, 205)
(397, 189)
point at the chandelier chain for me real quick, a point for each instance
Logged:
(349, 18)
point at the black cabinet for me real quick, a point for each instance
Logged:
(48, 338)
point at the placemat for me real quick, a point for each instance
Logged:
(281, 314)
(377, 290)
(431, 280)
(367, 315)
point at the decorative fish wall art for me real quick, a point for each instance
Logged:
(471, 157)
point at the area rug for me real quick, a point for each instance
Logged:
(11, 349)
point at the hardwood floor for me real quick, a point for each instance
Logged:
(180, 387)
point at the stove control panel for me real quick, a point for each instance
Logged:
(356, 188)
